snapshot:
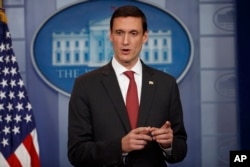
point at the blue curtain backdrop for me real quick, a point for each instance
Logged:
(243, 59)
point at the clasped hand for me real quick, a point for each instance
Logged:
(137, 138)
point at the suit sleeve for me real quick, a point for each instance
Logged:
(179, 145)
(83, 150)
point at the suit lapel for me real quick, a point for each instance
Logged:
(147, 95)
(111, 85)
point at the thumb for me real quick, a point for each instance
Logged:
(166, 125)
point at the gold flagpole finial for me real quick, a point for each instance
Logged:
(3, 17)
(1, 3)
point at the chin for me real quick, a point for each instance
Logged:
(127, 62)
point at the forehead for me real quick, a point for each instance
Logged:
(127, 23)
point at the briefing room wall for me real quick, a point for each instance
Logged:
(218, 106)
(211, 133)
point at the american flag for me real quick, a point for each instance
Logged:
(18, 136)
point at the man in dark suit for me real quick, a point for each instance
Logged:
(100, 133)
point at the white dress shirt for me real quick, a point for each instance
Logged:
(123, 80)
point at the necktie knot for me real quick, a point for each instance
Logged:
(129, 74)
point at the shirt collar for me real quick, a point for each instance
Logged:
(119, 69)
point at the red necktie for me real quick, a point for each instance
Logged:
(132, 102)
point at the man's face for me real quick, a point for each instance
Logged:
(127, 38)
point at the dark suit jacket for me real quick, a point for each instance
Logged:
(98, 120)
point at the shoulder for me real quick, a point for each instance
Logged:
(164, 81)
(157, 74)
(96, 73)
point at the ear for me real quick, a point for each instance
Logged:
(110, 36)
(145, 37)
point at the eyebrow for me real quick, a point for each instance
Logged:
(133, 30)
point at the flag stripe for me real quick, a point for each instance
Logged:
(23, 155)
(35, 141)
(14, 161)
(28, 143)
(3, 162)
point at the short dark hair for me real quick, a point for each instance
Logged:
(129, 10)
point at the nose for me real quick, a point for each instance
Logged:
(125, 39)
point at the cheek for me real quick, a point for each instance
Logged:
(115, 41)
(138, 45)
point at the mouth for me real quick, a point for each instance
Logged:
(125, 51)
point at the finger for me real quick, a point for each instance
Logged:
(142, 130)
(157, 132)
(164, 136)
(143, 139)
(141, 133)
(162, 132)
(147, 137)
(142, 136)
(153, 129)
(164, 139)
(138, 144)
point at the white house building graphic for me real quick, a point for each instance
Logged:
(91, 46)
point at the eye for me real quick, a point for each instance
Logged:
(134, 33)
(118, 32)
